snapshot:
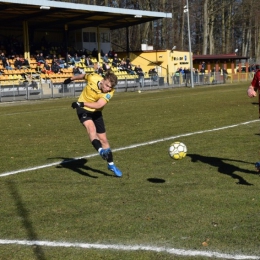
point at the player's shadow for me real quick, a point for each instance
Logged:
(79, 166)
(224, 166)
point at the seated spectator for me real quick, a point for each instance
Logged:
(18, 63)
(76, 70)
(105, 66)
(77, 59)
(5, 62)
(97, 68)
(153, 74)
(115, 61)
(55, 67)
(88, 62)
(105, 58)
(25, 62)
(129, 68)
(71, 61)
(61, 63)
(46, 68)
(40, 58)
(122, 66)
(111, 54)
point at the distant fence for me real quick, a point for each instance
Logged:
(40, 90)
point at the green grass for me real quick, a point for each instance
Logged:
(210, 196)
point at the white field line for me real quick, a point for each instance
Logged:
(172, 251)
(128, 147)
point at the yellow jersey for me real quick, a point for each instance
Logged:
(91, 93)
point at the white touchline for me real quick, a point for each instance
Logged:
(127, 147)
(172, 251)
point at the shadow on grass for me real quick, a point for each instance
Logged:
(23, 213)
(156, 180)
(78, 166)
(224, 167)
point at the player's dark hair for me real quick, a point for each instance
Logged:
(111, 77)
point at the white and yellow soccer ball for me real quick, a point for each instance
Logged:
(177, 150)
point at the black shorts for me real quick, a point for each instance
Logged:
(96, 117)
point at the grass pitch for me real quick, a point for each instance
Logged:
(207, 202)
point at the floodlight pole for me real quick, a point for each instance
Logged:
(186, 10)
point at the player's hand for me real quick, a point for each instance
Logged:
(251, 92)
(67, 81)
(77, 104)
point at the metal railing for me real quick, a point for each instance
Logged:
(48, 90)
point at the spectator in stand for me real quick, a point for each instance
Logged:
(18, 63)
(122, 65)
(61, 63)
(115, 61)
(105, 58)
(97, 68)
(25, 62)
(77, 59)
(153, 74)
(76, 70)
(203, 67)
(71, 61)
(105, 66)
(40, 58)
(46, 68)
(2, 55)
(5, 62)
(129, 68)
(95, 53)
(88, 62)
(55, 67)
(111, 54)
(140, 74)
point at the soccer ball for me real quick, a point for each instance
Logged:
(177, 150)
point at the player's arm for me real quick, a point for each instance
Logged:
(251, 91)
(95, 105)
(76, 77)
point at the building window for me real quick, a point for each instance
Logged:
(89, 37)
(105, 37)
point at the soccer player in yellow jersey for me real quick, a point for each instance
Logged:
(97, 93)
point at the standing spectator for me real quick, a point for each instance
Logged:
(203, 67)
(97, 93)
(140, 74)
(95, 53)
